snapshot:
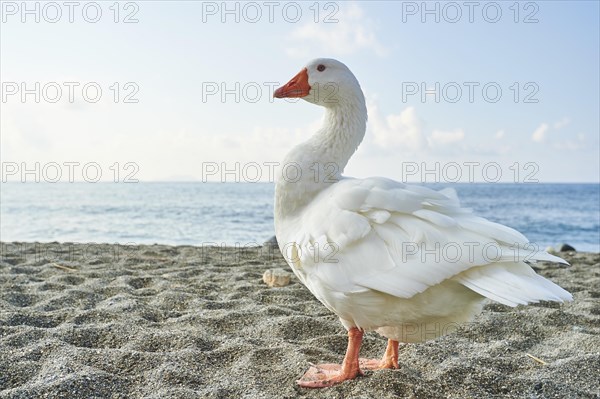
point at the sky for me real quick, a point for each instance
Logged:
(182, 91)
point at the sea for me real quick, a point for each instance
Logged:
(190, 213)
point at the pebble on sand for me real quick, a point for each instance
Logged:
(276, 277)
(271, 242)
(566, 248)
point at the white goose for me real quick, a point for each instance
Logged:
(403, 260)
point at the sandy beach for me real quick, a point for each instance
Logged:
(110, 321)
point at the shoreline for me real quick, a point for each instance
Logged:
(185, 321)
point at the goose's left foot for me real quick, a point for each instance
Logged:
(326, 375)
(389, 360)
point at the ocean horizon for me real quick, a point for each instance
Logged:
(196, 213)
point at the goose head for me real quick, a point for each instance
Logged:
(325, 82)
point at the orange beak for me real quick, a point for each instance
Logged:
(297, 87)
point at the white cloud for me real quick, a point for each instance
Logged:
(352, 33)
(539, 135)
(402, 131)
(405, 133)
(499, 134)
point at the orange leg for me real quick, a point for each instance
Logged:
(389, 360)
(326, 375)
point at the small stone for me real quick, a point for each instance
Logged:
(550, 250)
(276, 277)
(566, 248)
(271, 242)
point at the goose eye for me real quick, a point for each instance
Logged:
(321, 68)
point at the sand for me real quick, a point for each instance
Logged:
(108, 321)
